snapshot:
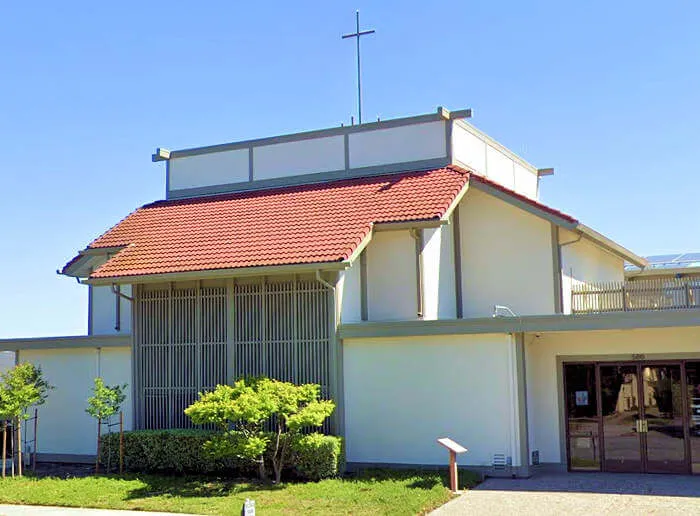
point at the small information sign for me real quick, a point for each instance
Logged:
(581, 398)
(451, 445)
(248, 508)
(454, 448)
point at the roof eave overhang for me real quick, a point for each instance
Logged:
(524, 205)
(572, 225)
(532, 323)
(679, 271)
(86, 261)
(297, 268)
(611, 246)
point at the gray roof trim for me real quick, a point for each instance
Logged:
(651, 272)
(237, 272)
(519, 203)
(100, 251)
(589, 233)
(612, 246)
(77, 341)
(530, 323)
(320, 133)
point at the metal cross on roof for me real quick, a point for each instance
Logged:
(357, 34)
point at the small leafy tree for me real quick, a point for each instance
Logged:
(20, 388)
(102, 405)
(247, 406)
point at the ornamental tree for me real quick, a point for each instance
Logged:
(20, 388)
(106, 400)
(103, 404)
(251, 403)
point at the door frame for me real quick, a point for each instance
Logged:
(639, 364)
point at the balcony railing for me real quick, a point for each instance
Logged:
(642, 294)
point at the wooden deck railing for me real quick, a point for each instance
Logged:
(643, 294)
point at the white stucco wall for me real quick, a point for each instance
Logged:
(438, 274)
(398, 144)
(506, 258)
(584, 262)
(401, 394)
(215, 168)
(64, 427)
(349, 294)
(391, 276)
(104, 311)
(318, 154)
(484, 156)
(544, 387)
(469, 149)
(7, 360)
(301, 157)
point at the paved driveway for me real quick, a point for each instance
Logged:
(581, 493)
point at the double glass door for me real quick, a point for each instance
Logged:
(641, 417)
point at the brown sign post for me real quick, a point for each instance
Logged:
(454, 449)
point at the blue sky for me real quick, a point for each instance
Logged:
(608, 93)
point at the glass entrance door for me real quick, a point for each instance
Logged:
(622, 446)
(663, 433)
(641, 417)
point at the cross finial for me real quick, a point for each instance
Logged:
(357, 34)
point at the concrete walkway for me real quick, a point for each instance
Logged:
(581, 493)
(26, 510)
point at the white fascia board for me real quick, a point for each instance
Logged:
(84, 265)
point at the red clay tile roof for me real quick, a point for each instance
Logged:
(317, 223)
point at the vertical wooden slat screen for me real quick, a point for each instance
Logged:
(180, 350)
(281, 329)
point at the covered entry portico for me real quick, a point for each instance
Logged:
(622, 400)
(633, 417)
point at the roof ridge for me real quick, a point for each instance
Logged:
(271, 190)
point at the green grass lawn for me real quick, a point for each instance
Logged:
(372, 492)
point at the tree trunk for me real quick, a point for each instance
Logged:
(262, 472)
(99, 431)
(277, 465)
(19, 447)
(4, 447)
(278, 455)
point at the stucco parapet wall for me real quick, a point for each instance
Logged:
(533, 323)
(77, 341)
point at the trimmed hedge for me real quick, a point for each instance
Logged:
(156, 451)
(317, 456)
(314, 456)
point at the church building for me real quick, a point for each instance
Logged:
(409, 267)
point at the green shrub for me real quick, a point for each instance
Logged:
(178, 451)
(248, 405)
(312, 457)
(317, 456)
